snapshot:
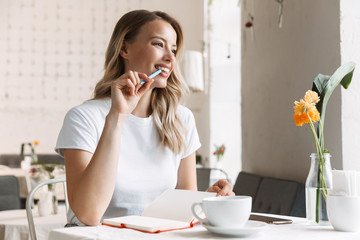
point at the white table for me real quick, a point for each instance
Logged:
(14, 225)
(299, 230)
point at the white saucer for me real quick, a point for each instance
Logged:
(250, 227)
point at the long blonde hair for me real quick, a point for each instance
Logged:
(164, 101)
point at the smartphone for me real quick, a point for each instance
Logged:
(270, 220)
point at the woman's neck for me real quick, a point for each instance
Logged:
(142, 109)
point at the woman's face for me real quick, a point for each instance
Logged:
(154, 47)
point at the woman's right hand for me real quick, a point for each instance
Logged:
(126, 91)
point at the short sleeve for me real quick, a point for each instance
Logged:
(77, 132)
(192, 136)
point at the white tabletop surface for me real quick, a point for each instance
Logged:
(14, 225)
(300, 229)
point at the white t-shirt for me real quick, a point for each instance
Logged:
(145, 169)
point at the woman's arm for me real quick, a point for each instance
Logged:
(187, 173)
(90, 177)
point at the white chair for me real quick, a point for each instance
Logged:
(29, 202)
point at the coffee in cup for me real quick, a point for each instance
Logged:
(225, 211)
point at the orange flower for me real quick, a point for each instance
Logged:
(302, 118)
(311, 97)
(36, 142)
(303, 108)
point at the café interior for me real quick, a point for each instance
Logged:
(245, 62)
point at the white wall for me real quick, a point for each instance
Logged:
(52, 54)
(225, 82)
(278, 67)
(350, 51)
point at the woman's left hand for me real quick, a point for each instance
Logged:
(222, 188)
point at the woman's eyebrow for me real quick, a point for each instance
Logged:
(163, 39)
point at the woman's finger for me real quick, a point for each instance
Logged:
(146, 86)
(137, 78)
(226, 189)
(213, 189)
(138, 81)
(222, 188)
(141, 88)
(131, 86)
(132, 75)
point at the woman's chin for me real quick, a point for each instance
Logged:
(160, 84)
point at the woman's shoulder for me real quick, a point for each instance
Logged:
(92, 108)
(183, 109)
(184, 113)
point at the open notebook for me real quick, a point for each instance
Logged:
(170, 211)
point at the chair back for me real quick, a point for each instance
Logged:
(276, 196)
(272, 195)
(203, 176)
(247, 184)
(30, 200)
(299, 209)
(9, 193)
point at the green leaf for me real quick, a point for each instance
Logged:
(347, 80)
(319, 83)
(342, 75)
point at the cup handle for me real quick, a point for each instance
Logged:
(193, 206)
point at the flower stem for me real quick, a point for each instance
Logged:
(317, 210)
(313, 131)
(321, 183)
(322, 136)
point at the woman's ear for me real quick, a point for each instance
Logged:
(124, 51)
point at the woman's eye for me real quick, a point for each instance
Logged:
(158, 44)
(174, 51)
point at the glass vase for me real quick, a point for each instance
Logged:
(318, 184)
(54, 201)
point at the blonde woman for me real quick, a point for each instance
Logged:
(133, 140)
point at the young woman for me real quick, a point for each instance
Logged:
(133, 140)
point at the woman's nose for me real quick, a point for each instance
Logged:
(169, 55)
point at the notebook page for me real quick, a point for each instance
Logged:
(175, 204)
(148, 224)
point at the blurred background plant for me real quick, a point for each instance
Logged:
(219, 152)
(40, 169)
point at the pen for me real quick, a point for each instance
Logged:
(154, 74)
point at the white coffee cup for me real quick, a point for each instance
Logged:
(344, 212)
(225, 211)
